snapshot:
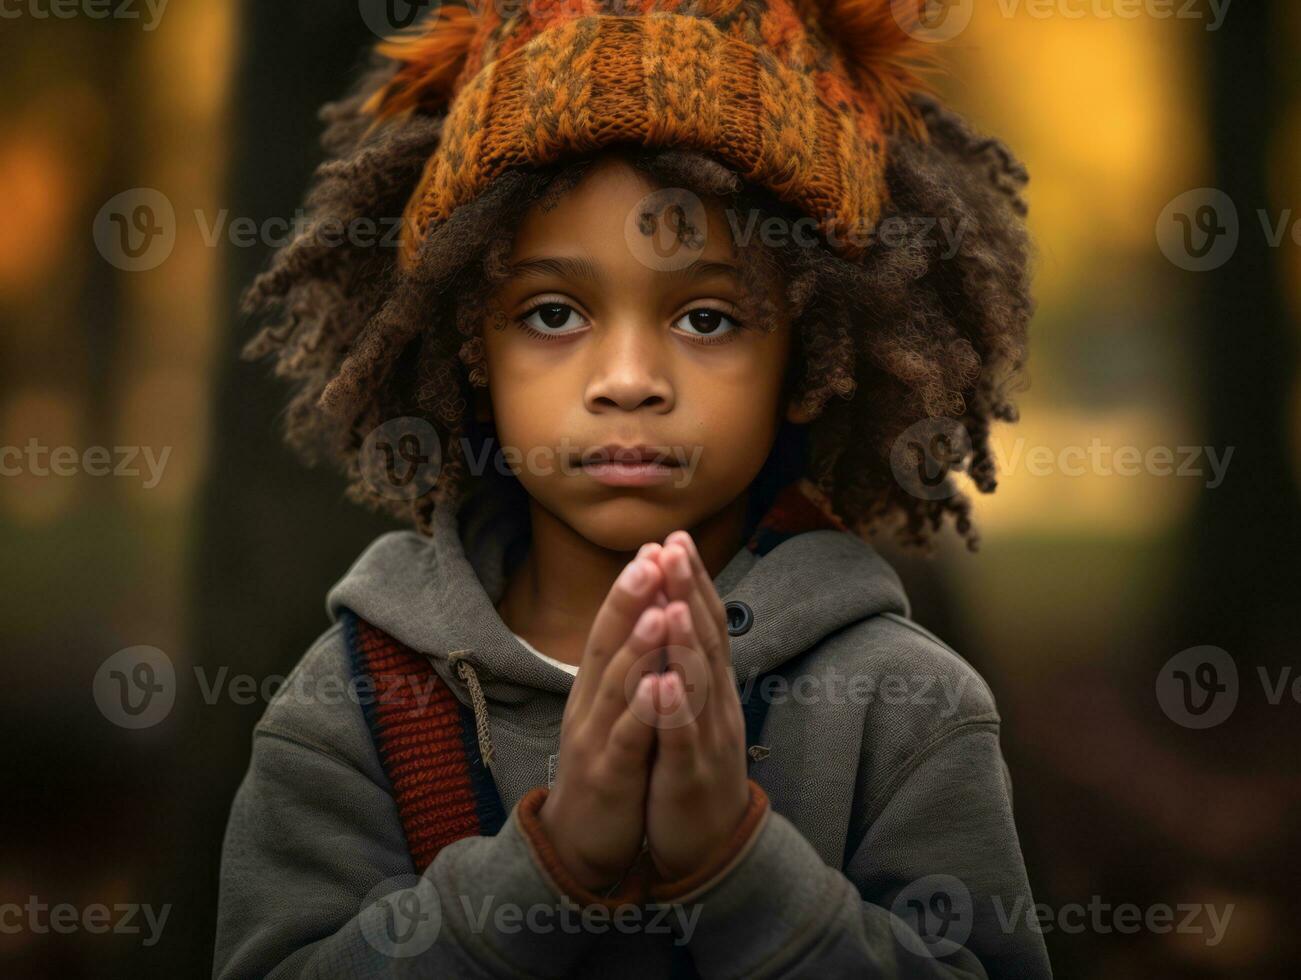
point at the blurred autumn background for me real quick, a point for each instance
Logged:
(1085, 585)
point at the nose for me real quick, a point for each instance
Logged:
(629, 371)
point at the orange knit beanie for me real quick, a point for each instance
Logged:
(797, 96)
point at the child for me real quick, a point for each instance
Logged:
(635, 697)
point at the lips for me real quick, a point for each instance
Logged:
(627, 466)
(628, 455)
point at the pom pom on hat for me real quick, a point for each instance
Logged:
(431, 56)
(882, 51)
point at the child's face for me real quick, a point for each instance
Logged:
(631, 355)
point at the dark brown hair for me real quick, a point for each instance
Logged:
(908, 333)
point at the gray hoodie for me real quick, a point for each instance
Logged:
(889, 849)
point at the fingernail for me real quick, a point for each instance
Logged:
(670, 688)
(634, 576)
(681, 564)
(648, 624)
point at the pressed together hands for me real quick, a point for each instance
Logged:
(662, 762)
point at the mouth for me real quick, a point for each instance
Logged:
(628, 466)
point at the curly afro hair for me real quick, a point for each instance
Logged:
(920, 328)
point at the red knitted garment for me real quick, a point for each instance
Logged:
(426, 742)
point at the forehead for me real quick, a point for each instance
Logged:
(619, 216)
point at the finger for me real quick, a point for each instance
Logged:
(704, 580)
(651, 551)
(675, 743)
(687, 661)
(639, 656)
(718, 700)
(683, 584)
(631, 738)
(721, 650)
(631, 593)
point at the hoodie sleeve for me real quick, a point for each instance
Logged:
(317, 881)
(942, 859)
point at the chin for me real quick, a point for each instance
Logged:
(625, 521)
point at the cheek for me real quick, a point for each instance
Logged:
(734, 407)
(517, 388)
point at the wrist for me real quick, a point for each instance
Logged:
(569, 873)
(715, 830)
(719, 863)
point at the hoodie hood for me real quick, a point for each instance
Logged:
(802, 574)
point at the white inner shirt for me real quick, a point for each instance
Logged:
(567, 668)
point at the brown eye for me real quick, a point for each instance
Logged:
(705, 322)
(550, 318)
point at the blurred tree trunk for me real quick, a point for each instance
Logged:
(1244, 563)
(272, 535)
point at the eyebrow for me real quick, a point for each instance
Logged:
(581, 267)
